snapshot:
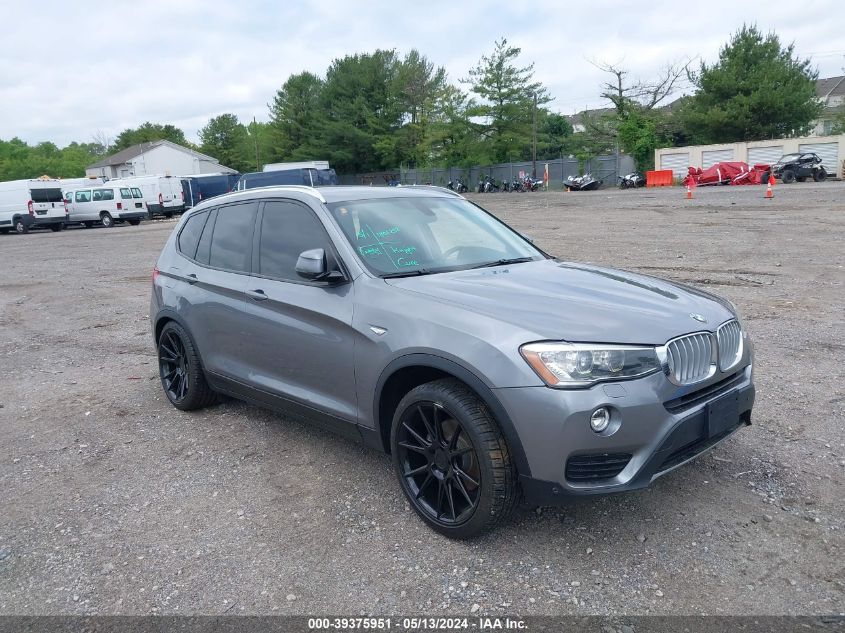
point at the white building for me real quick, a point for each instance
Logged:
(157, 157)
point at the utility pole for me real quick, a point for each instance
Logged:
(255, 139)
(534, 140)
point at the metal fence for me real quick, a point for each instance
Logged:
(601, 167)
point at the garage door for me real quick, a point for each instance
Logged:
(828, 152)
(677, 162)
(710, 158)
(764, 155)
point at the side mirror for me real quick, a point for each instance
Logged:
(312, 265)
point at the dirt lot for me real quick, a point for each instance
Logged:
(112, 501)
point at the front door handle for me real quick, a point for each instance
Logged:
(257, 294)
(192, 279)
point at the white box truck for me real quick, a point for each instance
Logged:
(26, 204)
(305, 164)
(163, 195)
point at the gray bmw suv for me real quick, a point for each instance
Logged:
(420, 324)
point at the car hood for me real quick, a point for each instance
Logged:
(576, 302)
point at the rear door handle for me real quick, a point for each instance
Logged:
(257, 294)
(192, 279)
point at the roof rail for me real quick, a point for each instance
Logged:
(300, 188)
(437, 188)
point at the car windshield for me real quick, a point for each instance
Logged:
(412, 236)
(789, 157)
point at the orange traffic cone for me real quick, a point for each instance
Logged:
(769, 192)
(689, 192)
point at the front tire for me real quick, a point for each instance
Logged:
(180, 370)
(788, 176)
(452, 460)
(820, 175)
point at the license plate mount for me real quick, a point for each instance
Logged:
(722, 414)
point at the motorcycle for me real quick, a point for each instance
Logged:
(506, 186)
(531, 184)
(490, 185)
(461, 187)
(632, 181)
(582, 183)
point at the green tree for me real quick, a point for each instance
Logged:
(359, 110)
(295, 116)
(757, 89)
(225, 138)
(506, 92)
(149, 132)
(416, 88)
(452, 138)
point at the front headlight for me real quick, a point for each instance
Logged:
(581, 365)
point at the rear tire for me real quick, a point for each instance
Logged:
(452, 459)
(180, 370)
(107, 220)
(788, 176)
(20, 227)
(134, 221)
(88, 225)
(57, 227)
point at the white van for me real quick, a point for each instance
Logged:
(31, 203)
(163, 195)
(107, 204)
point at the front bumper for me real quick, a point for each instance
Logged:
(659, 428)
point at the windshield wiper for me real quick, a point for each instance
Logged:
(503, 262)
(408, 273)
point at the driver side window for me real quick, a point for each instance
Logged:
(287, 229)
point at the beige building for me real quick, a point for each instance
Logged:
(831, 149)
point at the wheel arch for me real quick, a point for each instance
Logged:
(409, 371)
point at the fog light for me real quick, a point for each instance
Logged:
(600, 419)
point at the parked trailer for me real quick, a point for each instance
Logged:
(25, 204)
(163, 195)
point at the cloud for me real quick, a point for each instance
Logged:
(71, 69)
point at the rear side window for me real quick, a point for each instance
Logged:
(108, 194)
(232, 237)
(98, 195)
(204, 249)
(189, 236)
(125, 193)
(288, 229)
(136, 193)
(83, 196)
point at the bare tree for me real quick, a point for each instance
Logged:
(103, 140)
(646, 94)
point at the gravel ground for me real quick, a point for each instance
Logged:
(114, 502)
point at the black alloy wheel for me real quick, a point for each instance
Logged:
(181, 373)
(439, 463)
(452, 460)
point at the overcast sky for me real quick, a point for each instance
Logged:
(69, 70)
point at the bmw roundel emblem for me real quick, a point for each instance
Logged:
(698, 317)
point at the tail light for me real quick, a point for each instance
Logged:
(155, 274)
(30, 208)
(161, 199)
(119, 206)
(183, 196)
(66, 209)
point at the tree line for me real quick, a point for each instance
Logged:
(377, 111)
